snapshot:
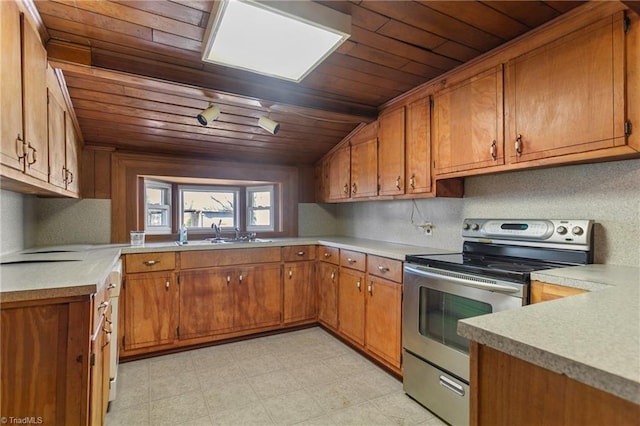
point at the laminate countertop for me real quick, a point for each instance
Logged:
(593, 338)
(78, 270)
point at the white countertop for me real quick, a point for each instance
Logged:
(592, 337)
(79, 272)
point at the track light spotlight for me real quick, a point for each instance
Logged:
(269, 125)
(208, 115)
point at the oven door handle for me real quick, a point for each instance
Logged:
(458, 278)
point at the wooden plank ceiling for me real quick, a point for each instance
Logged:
(146, 82)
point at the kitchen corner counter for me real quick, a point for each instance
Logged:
(56, 274)
(593, 338)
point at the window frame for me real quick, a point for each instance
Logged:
(248, 208)
(168, 208)
(237, 196)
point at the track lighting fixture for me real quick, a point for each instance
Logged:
(269, 125)
(210, 114)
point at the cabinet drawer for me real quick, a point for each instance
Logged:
(225, 257)
(353, 259)
(295, 253)
(384, 267)
(329, 254)
(150, 262)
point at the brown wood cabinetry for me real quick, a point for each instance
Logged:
(391, 155)
(339, 174)
(224, 299)
(351, 304)
(24, 95)
(300, 290)
(418, 147)
(327, 277)
(100, 357)
(149, 306)
(542, 292)
(468, 124)
(568, 96)
(364, 166)
(509, 391)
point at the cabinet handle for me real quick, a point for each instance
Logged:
(412, 181)
(69, 180)
(383, 268)
(346, 188)
(21, 143)
(150, 262)
(359, 285)
(333, 275)
(33, 155)
(370, 288)
(351, 261)
(494, 150)
(103, 305)
(166, 286)
(518, 145)
(65, 174)
(111, 286)
(354, 188)
(228, 279)
(240, 278)
(398, 183)
(290, 273)
(327, 255)
(300, 253)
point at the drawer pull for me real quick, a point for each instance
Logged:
(383, 268)
(327, 255)
(451, 385)
(103, 305)
(350, 260)
(300, 253)
(150, 262)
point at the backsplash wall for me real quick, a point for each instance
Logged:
(17, 221)
(608, 193)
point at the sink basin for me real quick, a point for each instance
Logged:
(210, 241)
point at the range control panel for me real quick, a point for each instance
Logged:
(572, 232)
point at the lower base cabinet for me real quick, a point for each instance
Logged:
(506, 390)
(300, 294)
(383, 314)
(351, 310)
(327, 279)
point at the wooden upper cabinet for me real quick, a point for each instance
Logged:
(391, 156)
(418, 147)
(364, 167)
(568, 96)
(71, 157)
(56, 121)
(339, 174)
(468, 124)
(11, 131)
(34, 72)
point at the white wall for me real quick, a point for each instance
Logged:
(17, 221)
(608, 193)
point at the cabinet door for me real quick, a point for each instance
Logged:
(11, 135)
(150, 304)
(258, 297)
(34, 61)
(418, 147)
(568, 96)
(73, 178)
(207, 301)
(391, 152)
(57, 135)
(100, 374)
(299, 292)
(339, 170)
(383, 313)
(468, 124)
(364, 168)
(351, 304)
(328, 294)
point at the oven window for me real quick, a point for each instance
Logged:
(439, 315)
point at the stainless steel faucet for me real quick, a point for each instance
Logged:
(217, 229)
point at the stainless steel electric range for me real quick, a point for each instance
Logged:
(491, 274)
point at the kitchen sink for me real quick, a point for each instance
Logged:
(215, 241)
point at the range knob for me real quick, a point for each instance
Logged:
(561, 230)
(577, 230)
(475, 227)
(465, 226)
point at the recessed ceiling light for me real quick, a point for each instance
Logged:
(284, 39)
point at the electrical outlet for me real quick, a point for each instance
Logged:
(427, 228)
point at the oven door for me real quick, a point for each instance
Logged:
(433, 302)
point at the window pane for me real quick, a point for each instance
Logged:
(260, 218)
(156, 196)
(201, 209)
(260, 199)
(157, 217)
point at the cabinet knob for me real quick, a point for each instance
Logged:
(518, 145)
(327, 255)
(494, 150)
